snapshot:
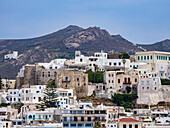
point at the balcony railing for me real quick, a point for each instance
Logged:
(127, 82)
(41, 119)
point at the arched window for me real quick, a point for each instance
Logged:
(30, 116)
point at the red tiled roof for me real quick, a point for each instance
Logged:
(115, 121)
(128, 120)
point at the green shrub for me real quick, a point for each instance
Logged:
(165, 82)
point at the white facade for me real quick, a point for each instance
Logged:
(99, 59)
(156, 61)
(35, 94)
(35, 116)
(13, 96)
(54, 64)
(149, 89)
(13, 55)
(65, 97)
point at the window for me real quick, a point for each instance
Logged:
(130, 126)
(81, 60)
(147, 82)
(142, 82)
(73, 125)
(118, 80)
(48, 74)
(80, 125)
(65, 125)
(14, 92)
(89, 125)
(77, 79)
(124, 125)
(147, 87)
(144, 57)
(141, 57)
(82, 118)
(136, 125)
(42, 74)
(26, 91)
(110, 63)
(64, 118)
(155, 88)
(119, 63)
(151, 57)
(71, 118)
(114, 64)
(89, 118)
(138, 58)
(142, 87)
(147, 57)
(19, 123)
(135, 79)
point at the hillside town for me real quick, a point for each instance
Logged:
(105, 90)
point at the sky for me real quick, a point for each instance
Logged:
(139, 21)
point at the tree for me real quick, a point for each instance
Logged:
(124, 56)
(128, 89)
(97, 124)
(96, 77)
(125, 100)
(165, 82)
(50, 96)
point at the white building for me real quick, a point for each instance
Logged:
(65, 98)
(101, 60)
(35, 117)
(54, 64)
(13, 55)
(34, 94)
(13, 96)
(149, 89)
(156, 62)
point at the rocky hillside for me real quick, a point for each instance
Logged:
(159, 46)
(60, 44)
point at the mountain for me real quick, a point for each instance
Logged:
(159, 46)
(60, 44)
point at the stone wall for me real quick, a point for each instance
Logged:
(153, 97)
(73, 79)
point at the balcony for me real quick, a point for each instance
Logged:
(41, 119)
(127, 82)
(162, 70)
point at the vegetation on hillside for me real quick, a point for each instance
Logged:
(128, 89)
(95, 77)
(125, 100)
(124, 56)
(165, 82)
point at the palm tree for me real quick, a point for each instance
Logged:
(97, 124)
